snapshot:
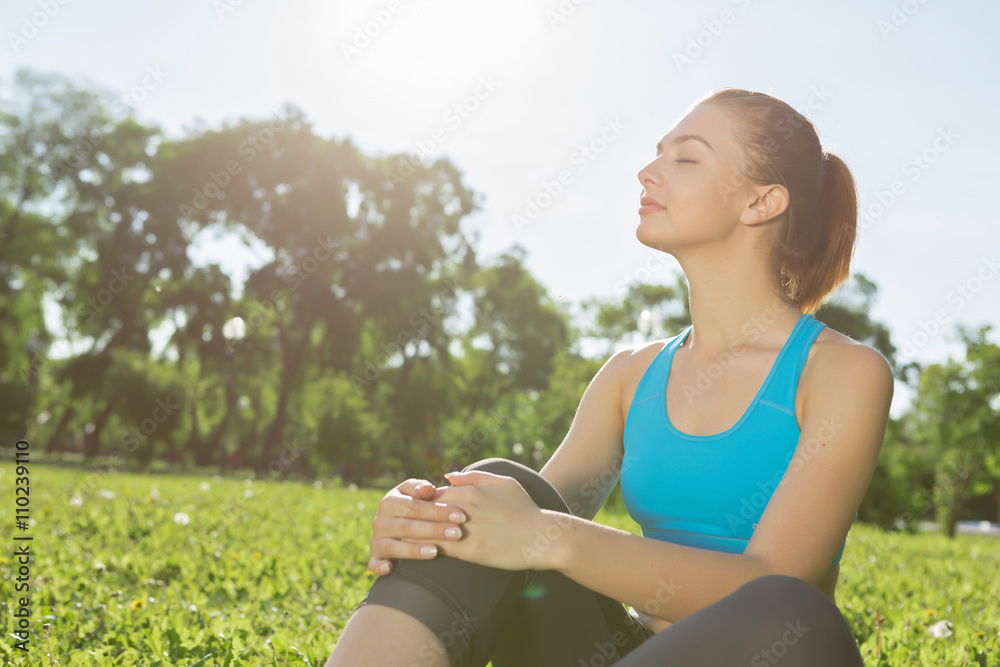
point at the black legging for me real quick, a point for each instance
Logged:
(535, 619)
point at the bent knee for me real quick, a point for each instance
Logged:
(789, 590)
(541, 491)
(498, 466)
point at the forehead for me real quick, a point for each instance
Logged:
(707, 121)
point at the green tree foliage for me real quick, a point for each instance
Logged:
(367, 339)
(956, 413)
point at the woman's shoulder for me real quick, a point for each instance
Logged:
(634, 358)
(838, 358)
(629, 364)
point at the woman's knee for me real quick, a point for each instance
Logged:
(787, 594)
(541, 491)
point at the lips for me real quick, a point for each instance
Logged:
(650, 205)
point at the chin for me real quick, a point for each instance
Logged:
(651, 235)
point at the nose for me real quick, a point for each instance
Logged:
(647, 175)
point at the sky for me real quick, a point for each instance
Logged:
(520, 92)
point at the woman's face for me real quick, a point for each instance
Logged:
(693, 191)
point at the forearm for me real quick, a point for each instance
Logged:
(667, 581)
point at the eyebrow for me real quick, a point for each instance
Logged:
(684, 137)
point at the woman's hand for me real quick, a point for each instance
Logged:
(504, 525)
(409, 523)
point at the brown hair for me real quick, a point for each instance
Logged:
(815, 246)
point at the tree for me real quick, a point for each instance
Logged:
(956, 411)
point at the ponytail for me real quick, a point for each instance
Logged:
(814, 247)
(815, 263)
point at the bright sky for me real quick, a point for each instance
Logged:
(904, 90)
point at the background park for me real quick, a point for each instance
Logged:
(248, 286)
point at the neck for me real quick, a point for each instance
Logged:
(735, 301)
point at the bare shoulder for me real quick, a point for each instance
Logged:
(629, 365)
(839, 362)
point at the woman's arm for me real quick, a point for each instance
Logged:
(587, 464)
(847, 400)
(846, 409)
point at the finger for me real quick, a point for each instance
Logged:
(417, 488)
(390, 548)
(408, 529)
(405, 507)
(379, 566)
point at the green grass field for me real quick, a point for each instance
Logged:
(184, 570)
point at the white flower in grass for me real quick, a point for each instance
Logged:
(100, 567)
(154, 494)
(204, 486)
(940, 629)
(352, 487)
(248, 493)
(104, 493)
(76, 501)
(182, 519)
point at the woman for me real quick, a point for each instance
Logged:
(744, 446)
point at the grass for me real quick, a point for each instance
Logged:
(267, 573)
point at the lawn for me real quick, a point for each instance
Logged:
(207, 570)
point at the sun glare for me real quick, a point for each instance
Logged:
(415, 52)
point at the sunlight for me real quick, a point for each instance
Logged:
(411, 54)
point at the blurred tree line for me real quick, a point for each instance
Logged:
(370, 340)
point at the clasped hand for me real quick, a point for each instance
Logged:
(482, 518)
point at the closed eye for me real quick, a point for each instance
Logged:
(686, 160)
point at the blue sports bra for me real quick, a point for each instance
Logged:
(709, 491)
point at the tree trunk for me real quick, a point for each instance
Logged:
(92, 440)
(957, 504)
(53, 444)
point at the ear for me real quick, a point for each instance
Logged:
(765, 202)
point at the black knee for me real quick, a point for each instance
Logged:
(541, 491)
(788, 589)
(792, 611)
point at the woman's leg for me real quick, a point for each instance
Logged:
(473, 613)
(771, 620)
